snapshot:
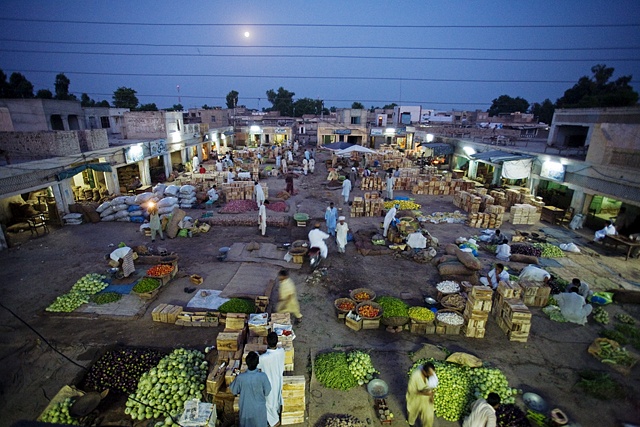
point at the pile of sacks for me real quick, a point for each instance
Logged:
(186, 195)
(459, 264)
(123, 209)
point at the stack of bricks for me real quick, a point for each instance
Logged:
(535, 294)
(484, 220)
(293, 400)
(357, 207)
(373, 183)
(467, 202)
(373, 204)
(524, 214)
(476, 312)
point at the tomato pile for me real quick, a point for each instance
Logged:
(362, 296)
(368, 311)
(346, 306)
(159, 270)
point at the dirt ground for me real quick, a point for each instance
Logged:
(34, 273)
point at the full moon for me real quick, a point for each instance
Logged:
(247, 33)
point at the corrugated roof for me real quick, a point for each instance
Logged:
(497, 156)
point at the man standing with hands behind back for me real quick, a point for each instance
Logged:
(272, 364)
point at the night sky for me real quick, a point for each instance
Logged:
(443, 55)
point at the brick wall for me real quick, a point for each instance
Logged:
(144, 125)
(38, 145)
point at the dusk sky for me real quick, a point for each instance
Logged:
(443, 55)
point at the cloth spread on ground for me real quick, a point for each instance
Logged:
(207, 298)
(250, 281)
(268, 254)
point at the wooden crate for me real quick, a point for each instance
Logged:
(518, 336)
(235, 321)
(230, 355)
(370, 323)
(509, 289)
(155, 314)
(232, 367)
(216, 378)
(261, 304)
(256, 340)
(258, 330)
(514, 309)
(281, 318)
(471, 332)
(356, 325)
(229, 340)
(475, 305)
(481, 293)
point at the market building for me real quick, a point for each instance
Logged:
(345, 125)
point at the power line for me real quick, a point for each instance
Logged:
(259, 55)
(416, 79)
(480, 49)
(308, 25)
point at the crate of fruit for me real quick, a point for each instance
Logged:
(147, 287)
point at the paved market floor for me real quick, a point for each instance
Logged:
(34, 273)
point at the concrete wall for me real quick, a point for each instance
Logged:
(415, 111)
(30, 115)
(6, 125)
(41, 145)
(144, 125)
(615, 144)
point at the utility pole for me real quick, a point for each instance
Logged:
(178, 88)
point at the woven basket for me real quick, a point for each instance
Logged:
(447, 311)
(373, 304)
(372, 295)
(394, 321)
(445, 301)
(339, 301)
(423, 322)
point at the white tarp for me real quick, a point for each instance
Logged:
(516, 169)
(356, 149)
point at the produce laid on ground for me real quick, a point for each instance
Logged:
(105, 298)
(421, 314)
(120, 370)
(59, 413)
(625, 318)
(509, 415)
(159, 270)
(393, 307)
(624, 334)
(444, 217)
(610, 352)
(238, 305)
(244, 206)
(344, 371)
(361, 366)
(341, 420)
(600, 385)
(537, 418)
(162, 391)
(547, 250)
(460, 386)
(405, 205)
(600, 315)
(449, 318)
(362, 296)
(527, 249)
(448, 287)
(145, 285)
(79, 293)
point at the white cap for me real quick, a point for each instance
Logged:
(341, 218)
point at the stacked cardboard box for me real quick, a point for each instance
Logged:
(495, 209)
(372, 183)
(357, 207)
(476, 312)
(166, 313)
(467, 202)
(293, 400)
(535, 294)
(373, 204)
(484, 220)
(514, 319)
(524, 214)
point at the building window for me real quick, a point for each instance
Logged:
(104, 121)
(355, 120)
(213, 119)
(178, 124)
(56, 122)
(74, 124)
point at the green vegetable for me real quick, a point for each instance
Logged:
(393, 307)
(59, 413)
(549, 250)
(600, 315)
(145, 285)
(332, 371)
(618, 356)
(78, 294)
(600, 385)
(361, 366)
(625, 318)
(105, 298)
(238, 305)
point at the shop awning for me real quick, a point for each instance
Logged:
(514, 165)
(98, 167)
(439, 148)
(497, 156)
(338, 145)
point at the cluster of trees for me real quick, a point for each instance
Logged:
(595, 91)
(588, 92)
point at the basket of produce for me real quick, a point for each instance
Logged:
(447, 287)
(362, 294)
(344, 305)
(454, 302)
(421, 315)
(449, 318)
(160, 270)
(146, 288)
(369, 310)
(395, 311)
(610, 352)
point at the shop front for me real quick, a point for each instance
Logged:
(500, 168)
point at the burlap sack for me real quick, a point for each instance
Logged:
(526, 259)
(446, 258)
(172, 227)
(454, 268)
(469, 261)
(451, 249)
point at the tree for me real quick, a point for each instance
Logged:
(85, 101)
(504, 104)
(62, 88)
(19, 87)
(4, 86)
(333, 109)
(232, 99)
(104, 103)
(148, 107)
(177, 107)
(206, 107)
(281, 101)
(44, 94)
(390, 106)
(357, 106)
(598, 91)
(307, 106)
(544, 111)
(125, 97)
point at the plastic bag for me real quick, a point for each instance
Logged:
(465, 359)
(168, 201)
(570, 247)
(601, 298)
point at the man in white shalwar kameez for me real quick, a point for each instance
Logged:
(388, 218)
(346, 189)
(342, 229)
(317, 239)
(422, 383)
(262, 217)
(608, 230)
(312, 165)
(259, 192)
(284, 166)
(272, 364)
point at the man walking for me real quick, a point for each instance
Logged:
(342, 230)
(346, 189)
(262, 217)
(253, 387)
(331, 217)
(272, 364)
(288, 296)
(422, 384)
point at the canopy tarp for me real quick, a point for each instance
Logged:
(439, 148)
(497, 156)
(355, 149)
(98, 167)
(338, 145)
(514, 165)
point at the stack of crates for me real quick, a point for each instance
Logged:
(476, 312)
